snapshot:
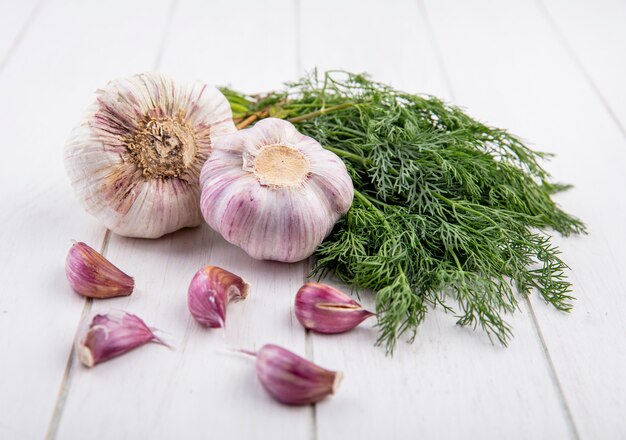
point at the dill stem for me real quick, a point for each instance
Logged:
(465, 208)
(253, 117)
(350, 156)
(320, 112)
(365, 199)
(249, 120)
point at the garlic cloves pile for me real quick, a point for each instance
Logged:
(291, 379)
(111, 335)
(93, 276)
(273, 191)
(324, 309)
(209, 292)
(135, 158)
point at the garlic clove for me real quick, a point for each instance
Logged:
(291, 379)
(93, 276)
(209, 292)
(325, 309)
(135, 158)
(111, 335)
(273, 191)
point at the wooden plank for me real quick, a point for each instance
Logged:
(595, 37)
(525, 80)
(364, 36)
(200, 389)
(451, 383)
(71, 48)
(14, 20)
(251, 45)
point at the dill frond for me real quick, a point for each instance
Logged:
(446, 209)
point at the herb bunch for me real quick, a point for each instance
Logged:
(446, 208)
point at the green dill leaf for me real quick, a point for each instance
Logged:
(448, 212)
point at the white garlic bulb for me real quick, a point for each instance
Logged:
(273, 191)
(135, 158)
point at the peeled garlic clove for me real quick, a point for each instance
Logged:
(93, 276)
(273, 191)
(210, 290)
(135, 158)
(324, 309)
(292, 379)
(111, 335)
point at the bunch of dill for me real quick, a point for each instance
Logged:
(445, 208)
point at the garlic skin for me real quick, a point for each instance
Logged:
(93, 276)
(325, 309)
(293, 380)
(210, 290)
(273, 191)
(135, 158)
(111, 335)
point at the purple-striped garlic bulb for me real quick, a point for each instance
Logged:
(273, 191)
(135, 158)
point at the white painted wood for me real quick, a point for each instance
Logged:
(596, 36)
(200, 389)
(531, 85)
(251, 46)
(14, 17)
(387, 41)
(451, 383)
(70, 49)
(502, 60)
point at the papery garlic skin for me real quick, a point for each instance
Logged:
(293, 380)
(273, 191)
(209, 292)
(111, 335)
(135, 158)
(93, 276)
(325, 309)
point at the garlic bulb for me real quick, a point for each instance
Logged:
(273, 191)
(135, 158)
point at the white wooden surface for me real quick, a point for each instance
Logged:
(551, 71)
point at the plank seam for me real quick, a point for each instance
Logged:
(564, 42)
(308, 337)
(308, 343)
(553, 373)
(435, 44)
(21, 33)
(310, 353)
(551, 369)
(67, 375)
(166, 33)
(66, 382)
(298, 40)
